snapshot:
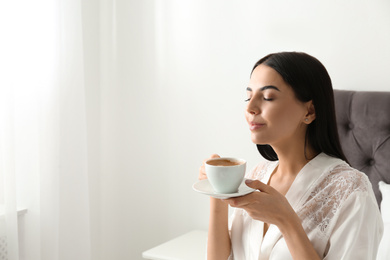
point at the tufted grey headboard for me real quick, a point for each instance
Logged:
(363, 121)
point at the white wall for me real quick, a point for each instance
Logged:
(172, 92)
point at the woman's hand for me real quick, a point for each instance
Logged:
(202, 170)
(268, 205)
(271, 207)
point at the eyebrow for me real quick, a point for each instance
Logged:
(264, 88)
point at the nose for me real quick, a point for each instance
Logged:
(253, 108)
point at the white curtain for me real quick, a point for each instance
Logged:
(43, 132)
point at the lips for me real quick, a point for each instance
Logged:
(255, 126)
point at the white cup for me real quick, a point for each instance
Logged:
(225, 174)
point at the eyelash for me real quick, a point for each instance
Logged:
(265, 99)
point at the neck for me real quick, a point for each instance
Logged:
(292, 158)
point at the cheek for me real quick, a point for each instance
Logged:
(284, 117)
(274, 115)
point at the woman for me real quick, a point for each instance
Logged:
(311, 204)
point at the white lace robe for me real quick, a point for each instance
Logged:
(336, 205)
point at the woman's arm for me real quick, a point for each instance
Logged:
(296, 239)
(269, 206)
(358, 229)
(218, 243)
(218, 240)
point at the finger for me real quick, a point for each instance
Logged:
(202, 177)
(239, 202)
(213, 156)
(202, 170)
(202, 173)
(258, 185)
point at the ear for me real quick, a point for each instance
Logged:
(310, 114)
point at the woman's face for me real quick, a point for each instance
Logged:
(273, 113)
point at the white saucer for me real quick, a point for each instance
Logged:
(204, 187)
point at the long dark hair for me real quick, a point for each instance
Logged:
(309, 80)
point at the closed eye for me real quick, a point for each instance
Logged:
(262, 89)
(265, 99)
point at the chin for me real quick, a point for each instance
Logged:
(257, 141)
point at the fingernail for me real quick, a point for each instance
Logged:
(248, 181)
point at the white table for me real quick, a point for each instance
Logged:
(190, 246)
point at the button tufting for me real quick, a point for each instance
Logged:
(371, 162)
(350, 126)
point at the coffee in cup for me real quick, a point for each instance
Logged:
(225, 174)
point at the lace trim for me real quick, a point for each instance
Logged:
(329, 194)
(259, 171)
